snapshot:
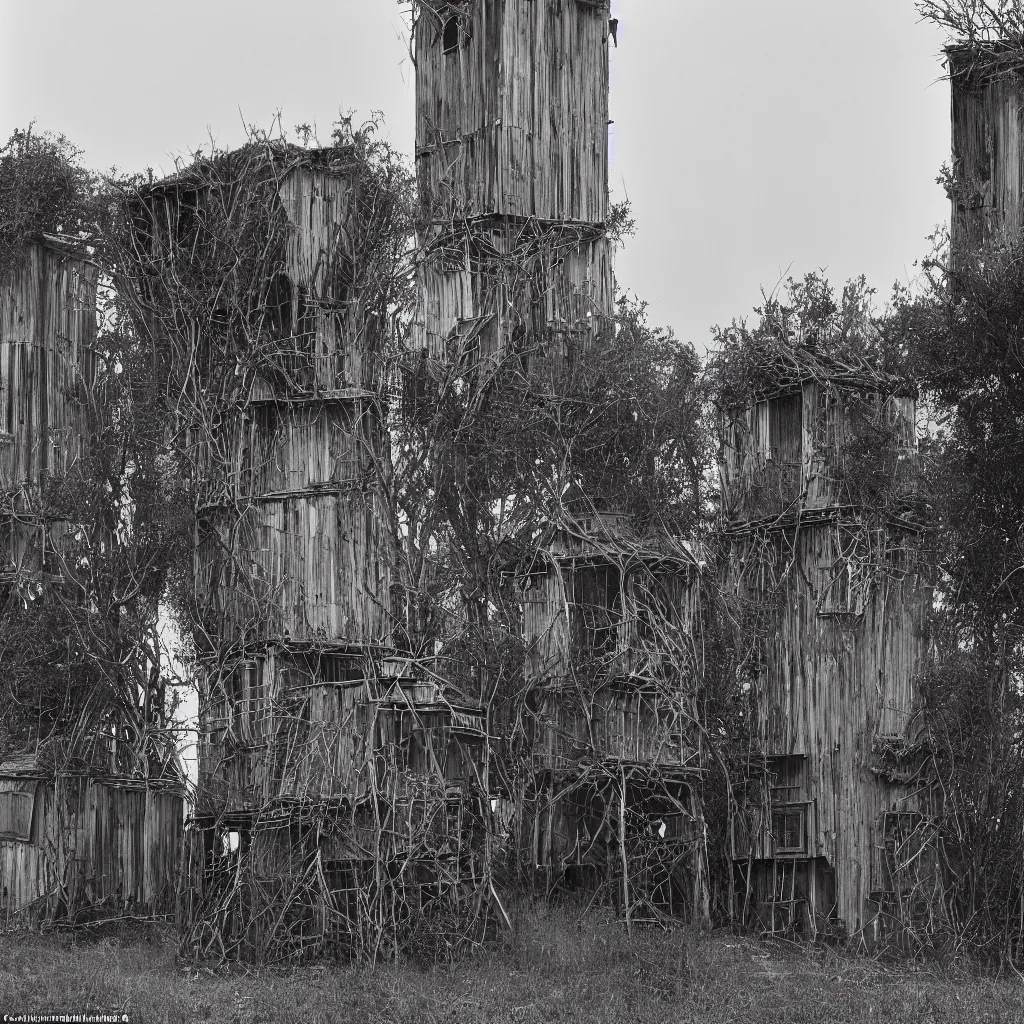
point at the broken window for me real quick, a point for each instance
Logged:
(455, 33)
(279, 306)
(785, 429)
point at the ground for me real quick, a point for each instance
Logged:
(556, 968)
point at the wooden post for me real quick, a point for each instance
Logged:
(627, 899)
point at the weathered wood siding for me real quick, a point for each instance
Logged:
(324, 262)
(97, 848)
(324, 727)
(299, 566)
(513, 120)
(47, 364)
(661, 600)
(988, 148)
(630, 698)
(844, 644)
(612, 722)
(290, 447)
(496, 289)
(512, 160)
(788, 452)
(283, 422)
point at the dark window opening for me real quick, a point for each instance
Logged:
(789, 829)
(452, 35)
(456, 32)
(279, 306)
(16, 815)
(597, 609)
(188, 222)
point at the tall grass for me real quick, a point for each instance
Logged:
(557, 966)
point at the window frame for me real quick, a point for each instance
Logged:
(24, 796)
(785, 809)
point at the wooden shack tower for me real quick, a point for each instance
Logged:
(334, 783)
(823, 567)
(612, 803)
(515, 271)
(512, 163)
(87, 829)
(987, 86)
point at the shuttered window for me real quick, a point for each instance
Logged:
(16, 815)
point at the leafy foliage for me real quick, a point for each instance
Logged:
(965, 346)
(43, 187)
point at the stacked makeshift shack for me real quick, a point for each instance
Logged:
(339, 807)
(91, 800)
(823, 569)
(612, 803)
(515, 279)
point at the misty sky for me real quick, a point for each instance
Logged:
(753, 138)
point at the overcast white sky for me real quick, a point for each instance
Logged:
(751, 137)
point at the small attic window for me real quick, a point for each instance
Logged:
(454, 34)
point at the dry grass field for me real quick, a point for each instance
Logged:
(554, 970)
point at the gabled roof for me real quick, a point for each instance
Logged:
(282, 157)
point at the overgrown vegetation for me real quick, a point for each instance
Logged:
(43, 188)
(966, 351)
(484, 459)
(552, 970)
(84, 679)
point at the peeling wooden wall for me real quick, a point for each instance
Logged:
(988, 149)
(512, 161)
(294, 567)
(844, 601)
(98, 848)
(527, 291)
(514, 120)
(47, 364)
(324, 727)
(788, 452)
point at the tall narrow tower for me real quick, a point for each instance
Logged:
(512, 162)
(987, 87)
(330, 794)
(825, 575)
